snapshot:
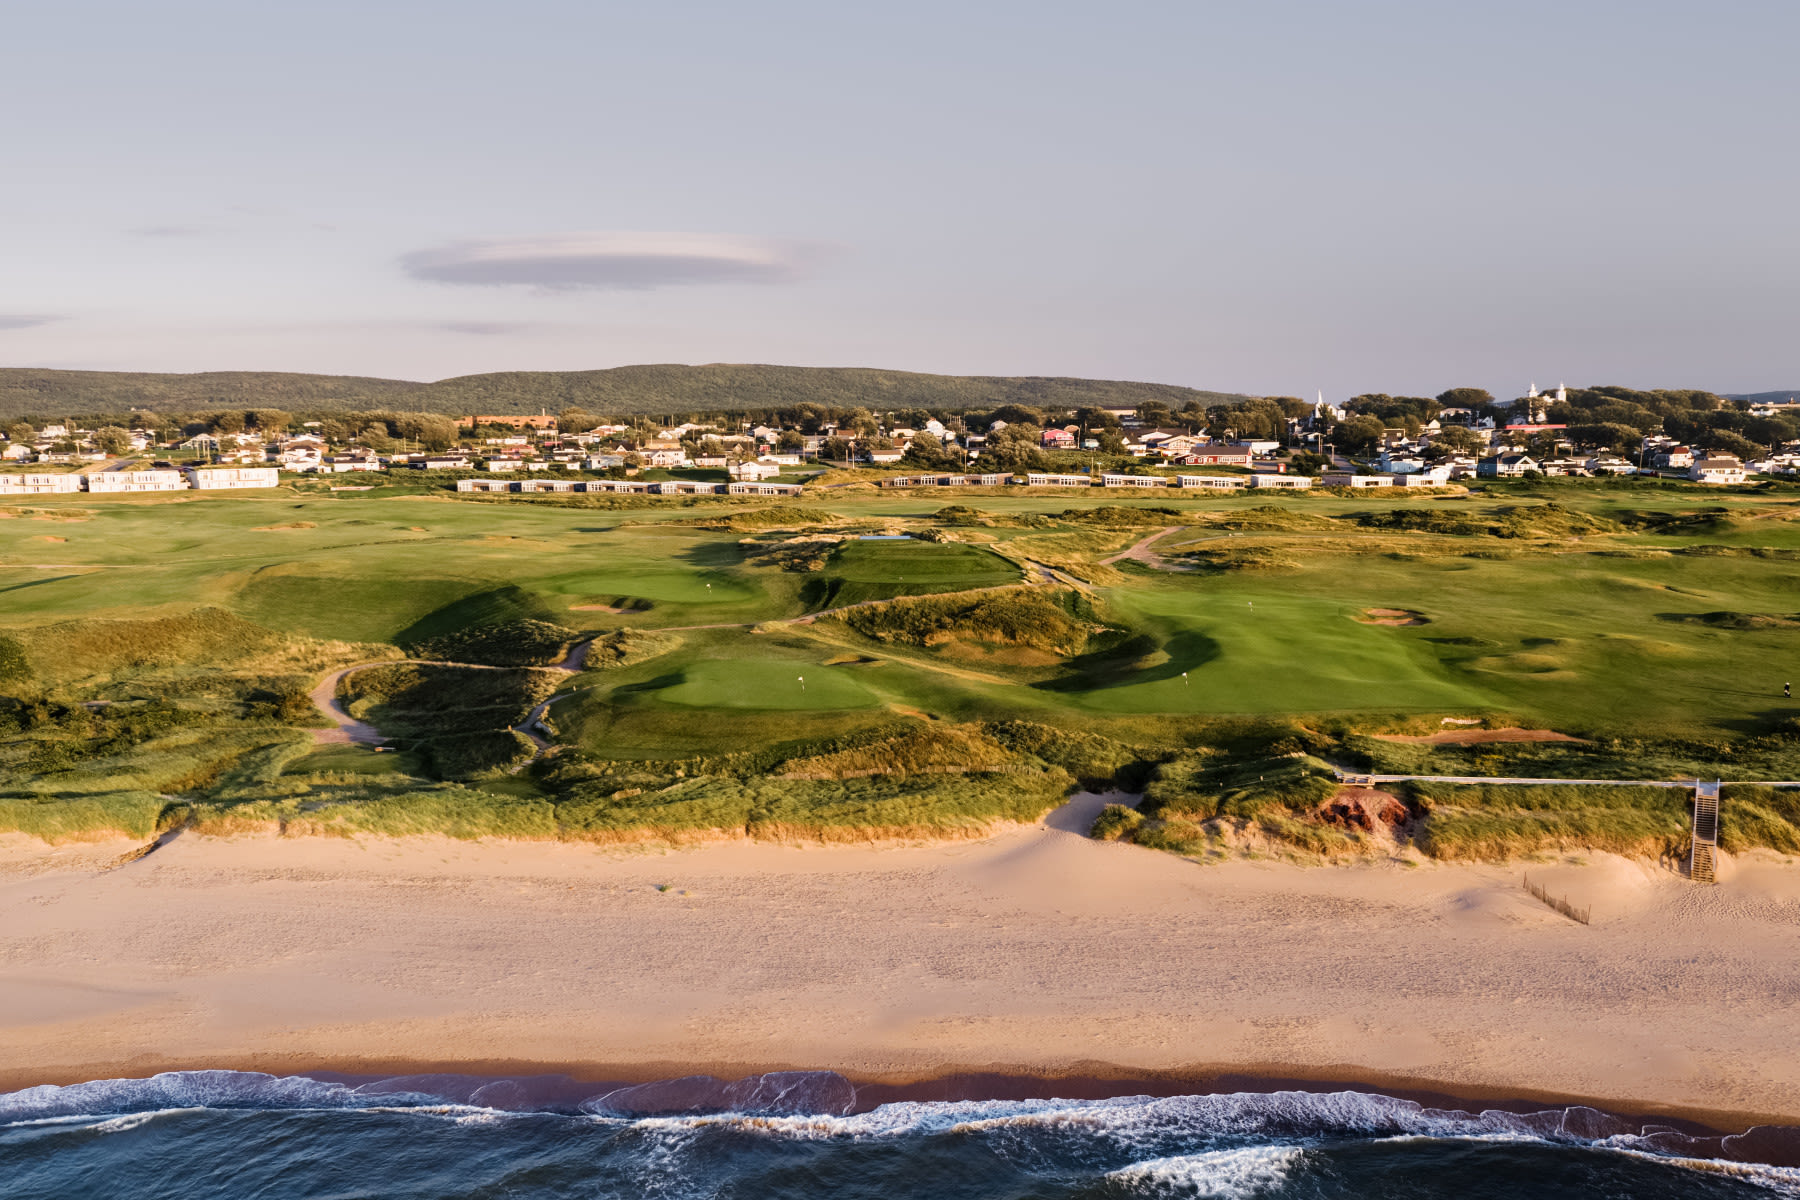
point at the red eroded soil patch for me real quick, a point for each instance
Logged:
(1367, 809)
(1474, 737)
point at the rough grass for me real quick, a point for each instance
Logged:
(1511, 521)
(1501, 821)
(450, 811)
(1207, 785)
(1096, 761)
(135, 814)
(821, 810)
(627, 648)
(1040, 618)
(1266, 518)
(1751, 816)
(791, 516)
(934, 749)
(525, 642)
(97, 651)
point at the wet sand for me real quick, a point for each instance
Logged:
(1031, 953)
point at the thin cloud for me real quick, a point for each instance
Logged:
(625, 261)
(24, 320)
(488, 328)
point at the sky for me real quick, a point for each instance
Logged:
(1277, 197)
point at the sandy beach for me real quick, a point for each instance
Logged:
(1033, 951)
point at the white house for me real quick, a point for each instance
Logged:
(1504, 466)
(753, 472)
(207, 479)
(345, 463)
(1290, 483)
(1717, 468)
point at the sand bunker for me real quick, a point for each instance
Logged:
(1393, 616)
(1475, 737)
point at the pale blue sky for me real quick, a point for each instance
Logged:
(1269, 197)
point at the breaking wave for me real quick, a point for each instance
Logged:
(701, 1136)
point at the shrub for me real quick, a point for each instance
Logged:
(523, 643)
(1016, 617)
(14, 666)
(1115, 822)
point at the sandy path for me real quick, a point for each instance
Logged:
(1034, 949)
(1140, 550)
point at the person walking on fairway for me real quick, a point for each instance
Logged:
(1787, 689)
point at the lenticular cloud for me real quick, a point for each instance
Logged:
(613, 260)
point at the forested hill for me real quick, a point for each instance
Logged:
(47, 394)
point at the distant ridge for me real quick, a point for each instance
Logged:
(1766, 397)
(671, 388)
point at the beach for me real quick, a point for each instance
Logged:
(1034, 952)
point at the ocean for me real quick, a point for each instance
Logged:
(247, 1136)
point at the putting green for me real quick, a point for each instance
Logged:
(768, 685)
(1275, 651)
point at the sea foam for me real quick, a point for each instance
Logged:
(818, 1105)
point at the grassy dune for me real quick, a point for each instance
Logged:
(1650, 621)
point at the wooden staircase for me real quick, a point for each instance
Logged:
(1704, 846)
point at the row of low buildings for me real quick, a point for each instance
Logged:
(1268, 480)
(1723, 469)
(204, 479)
(632, 487)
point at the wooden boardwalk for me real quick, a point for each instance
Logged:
(1704, 846)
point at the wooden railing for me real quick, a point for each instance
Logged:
(1703, 848)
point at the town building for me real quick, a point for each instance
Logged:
(1350, 479)
(1212, 483)
(206, 479)
(1717, 468)
(1505, 466)
(136, 481)
(36, 484)
(763, 489)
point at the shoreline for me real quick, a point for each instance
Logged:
(1080, 1082)
(1030, 959)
